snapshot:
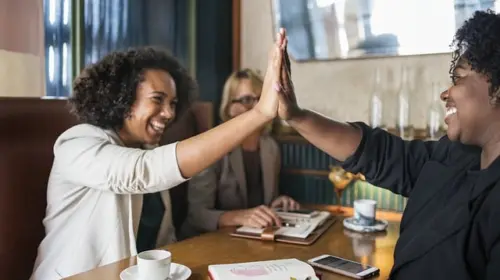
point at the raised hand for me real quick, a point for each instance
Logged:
(288, 106)
(268, 102)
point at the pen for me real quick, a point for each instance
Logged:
(306, 278)
(287, 224)
(317, 277)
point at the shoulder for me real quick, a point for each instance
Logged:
(83, 133)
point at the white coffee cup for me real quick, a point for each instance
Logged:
(154, 264)
(364, 211)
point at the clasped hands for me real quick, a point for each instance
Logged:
(278, 96)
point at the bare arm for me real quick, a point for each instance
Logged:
(199, 152)
(386, 160)
(337, 139)
(86, 156)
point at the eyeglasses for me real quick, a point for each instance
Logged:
(246, 100)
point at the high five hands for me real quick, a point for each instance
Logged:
(278, 95)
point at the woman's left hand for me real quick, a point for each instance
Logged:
(286, 203)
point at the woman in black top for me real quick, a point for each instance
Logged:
(450, 227)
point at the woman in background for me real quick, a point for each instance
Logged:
(242, 188)
(103, 166)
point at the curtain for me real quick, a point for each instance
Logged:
(111, 25)
(57, 23)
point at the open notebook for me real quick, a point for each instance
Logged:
(303, 227)
(284, 269)
(305, 230)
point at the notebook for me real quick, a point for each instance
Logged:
(284, 269)
(301, 228)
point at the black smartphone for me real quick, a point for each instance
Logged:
(345, 267)
(301, 213)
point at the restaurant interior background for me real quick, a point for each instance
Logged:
(44, 44)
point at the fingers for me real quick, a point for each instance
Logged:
(293, 205)
(276, 71)
(286, 57)
(277, 59)
(256, 220)
(270, 215)
(275, 204)
(280, 38)
(279, 202)
(287, 203)
(285, 75)
(261, 217)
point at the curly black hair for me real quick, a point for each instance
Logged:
(105, 91)
(478, 42)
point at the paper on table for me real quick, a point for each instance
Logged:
(263, 270)
(303, 227)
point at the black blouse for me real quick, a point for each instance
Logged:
(450, 227)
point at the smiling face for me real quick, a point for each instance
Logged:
(153, 109)
(469, 111)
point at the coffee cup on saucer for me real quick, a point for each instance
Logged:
(364, 211)
(154, 264)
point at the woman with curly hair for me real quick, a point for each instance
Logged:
(450, 228)
(103, 166)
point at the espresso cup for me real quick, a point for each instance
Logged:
(364, 211)
(154, 264)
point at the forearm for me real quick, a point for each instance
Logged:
(230, 218)
(201, 151)
(339, 140)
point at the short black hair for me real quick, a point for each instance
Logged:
(478, 42)
(104, 92)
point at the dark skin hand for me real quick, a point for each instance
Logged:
(338, 139)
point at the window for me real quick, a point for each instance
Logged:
(57, 47)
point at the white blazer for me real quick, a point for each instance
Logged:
(94, 200)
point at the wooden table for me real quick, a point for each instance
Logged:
(218, 247)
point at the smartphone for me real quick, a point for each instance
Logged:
(303, 213)
(345, 267)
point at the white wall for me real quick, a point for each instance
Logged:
(339, 89)
(21, 48)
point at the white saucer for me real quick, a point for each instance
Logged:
(177, 272)
(352, 224)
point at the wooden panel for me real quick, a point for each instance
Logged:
(236, 34)
(304, 176)
(29, 128)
